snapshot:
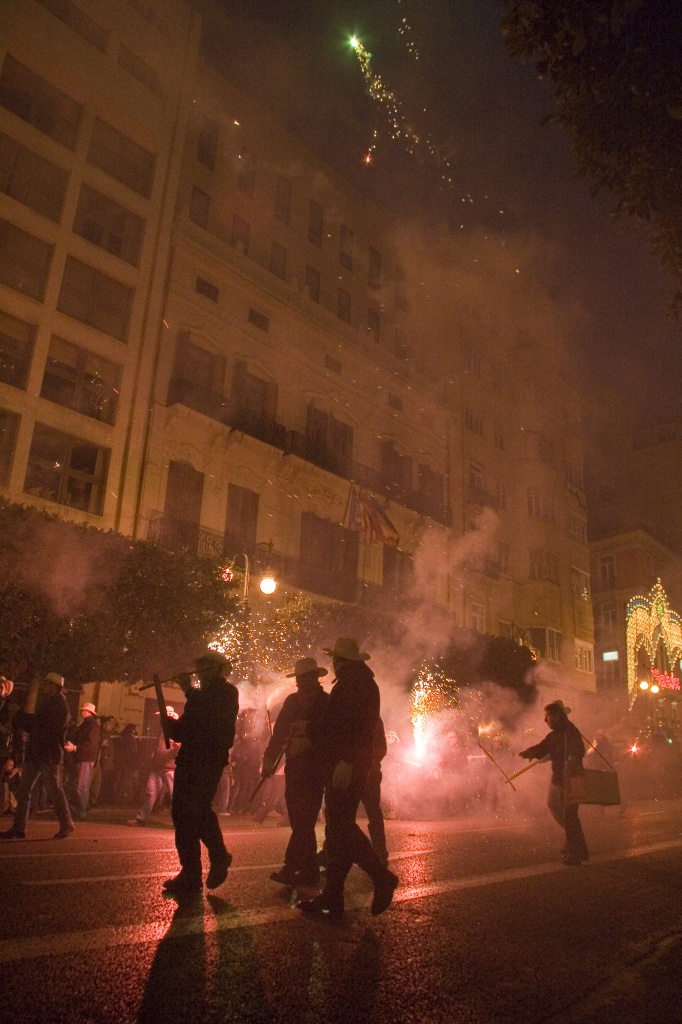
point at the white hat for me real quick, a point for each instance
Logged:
(89, 707)
(54, 677)
(304, 666)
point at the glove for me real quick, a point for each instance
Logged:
(343, 773)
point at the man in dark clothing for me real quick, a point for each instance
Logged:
(297, 734)
(205, 732)
(565, 748)
(371, 796)
(347, 737)
(46, 728)
(85, 749)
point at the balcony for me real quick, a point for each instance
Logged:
(300, 444)
(178, 535)
(479, 496)
(227, 411)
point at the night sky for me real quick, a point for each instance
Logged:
(485, 114)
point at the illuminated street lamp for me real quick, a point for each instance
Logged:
(644, 685)
(655, 688)
(268, 585)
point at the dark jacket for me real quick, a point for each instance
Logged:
(297, 732)
(351, 717)
(46, 730)
(561, 743)
(87, 739)
(205, 731)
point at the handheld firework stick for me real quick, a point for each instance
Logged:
(526, 769)
(266, 777)
(506, 777)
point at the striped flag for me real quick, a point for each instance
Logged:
(366, 517)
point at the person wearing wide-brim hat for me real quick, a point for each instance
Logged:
(348, 736)
(296, 736)
(205, 732)
(46, 728)
(564, 745)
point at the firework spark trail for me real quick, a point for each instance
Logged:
(399, 128)
(405, 30)
(429, 696)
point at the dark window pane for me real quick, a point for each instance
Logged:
(240, 235)
(198, 207)
(138, 68)
(24, 261)
(77, 20)
(109, 225)
(35, 100)
(30, 179)
(95, 299)
(67, 470)
(120, 157)
(16, 349)
(9, 425)
(283, 199)
(346, 250)
(278, 260)
(312, 283)
(81, 380)
(207, 146)
(315, 223)
(343, 308)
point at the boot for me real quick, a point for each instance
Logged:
(218, 871)
(13, 833)
(383, 892)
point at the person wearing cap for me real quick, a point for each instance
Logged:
(296, 735)
(161, 773)
(46, 729)
(85, 749)
(348, 733)
(564, 746)
(205, 732)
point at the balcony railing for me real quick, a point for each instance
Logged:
(227, 410)
(179, 535)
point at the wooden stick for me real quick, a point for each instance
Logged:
(506, 777)
(526, 769)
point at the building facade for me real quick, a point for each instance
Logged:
(211, 340)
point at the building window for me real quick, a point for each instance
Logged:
(182, 508)
(67, 470)
(328, 561)
(36, 101)
(395, 402)
(282, 199)
(24, 261)
(312, 283)
(78, 21)
(475, 476)
(246, 175)
(208, 290)
(198, 207)
(9, 426)
(240, 235)
(346, 248)
(121, 158)
(609, 614)
(343, 305)
(547, 642)
(241, 521)
(333, 364)
(473, 421)
(259, 320)
(82, 381)
(30, 179)
(315, 224)
(197, 380)
(105, 223)
(477, 616)
(396, 470)
(373, 323)
(583, 658)
(278, 260)
(397, 571)
(574, 476)
(607, 572)
(95, 299)
(577, 528)
(544, 565)
(329, 442)
(472, 361)
(374, 270)
(580, 584)
(138, 68)
(207, 145)
(16, 350)
(400, 344)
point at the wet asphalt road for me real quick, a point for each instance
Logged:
(487, 926)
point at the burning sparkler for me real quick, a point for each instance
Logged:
(430, 695)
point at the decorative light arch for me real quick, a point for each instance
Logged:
(648, 620)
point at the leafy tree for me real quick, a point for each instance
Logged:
(97, 606)
(615, 68)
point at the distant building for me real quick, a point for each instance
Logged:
(210, 340)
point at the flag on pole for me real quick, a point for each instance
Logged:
(365, 516)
